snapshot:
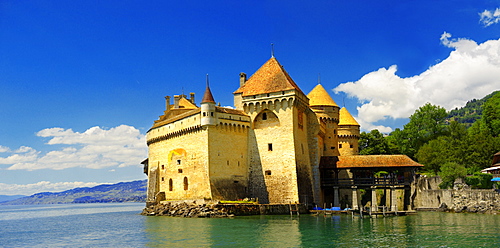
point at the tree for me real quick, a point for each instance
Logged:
(434, 154)
(477, 151)
(491, 114)
(427, 123)
(450, 171)
(373, 143)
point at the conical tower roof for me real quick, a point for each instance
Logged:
(346, 118)
(270, 77)
(208, 97)
(320, 97)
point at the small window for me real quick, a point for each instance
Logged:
(186, 184)
(268, 172)
(178, 162)
(236, 181)
(227, 162)
(179, 170)
(162, 166)
(211, 113)
(204, 114)
(170, 185)
(340, 145)
(162, 179)
(270, 147)
(333, 147)
(264, 116)
(352, 146)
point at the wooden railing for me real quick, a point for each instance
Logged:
(327, 182)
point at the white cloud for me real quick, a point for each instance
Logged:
(488, 17)
(43, 186)
(4, 149)
(95, 148)
(471, 71)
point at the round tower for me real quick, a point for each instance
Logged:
(208, 108)
(348, 134)
(327, 112)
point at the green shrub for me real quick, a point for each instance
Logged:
(480, 181)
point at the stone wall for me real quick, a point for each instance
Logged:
(272, 155)
(429, 197)
(228, 162)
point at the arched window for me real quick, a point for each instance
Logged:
(186, 184)
(266, 118)
(170, 185)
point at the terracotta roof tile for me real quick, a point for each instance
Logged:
(229, 111)
(175, 115)
(270, 77)
(320, 97)
(375, 161)
(208, 97)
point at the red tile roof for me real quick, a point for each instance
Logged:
(208, 97)
(375, 161)
(270, 77)
(229, 111)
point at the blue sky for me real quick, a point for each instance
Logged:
(82, 81)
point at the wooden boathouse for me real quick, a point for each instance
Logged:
(382, 180)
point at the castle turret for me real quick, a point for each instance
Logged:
(208, 108)
(327, 112)
(348, 134)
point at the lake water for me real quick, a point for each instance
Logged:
(120, 225)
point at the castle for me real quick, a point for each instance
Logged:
(277, 145)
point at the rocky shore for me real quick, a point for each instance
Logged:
(185, 209)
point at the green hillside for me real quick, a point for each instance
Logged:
(471, 112)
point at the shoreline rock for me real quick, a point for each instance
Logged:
(186, 210)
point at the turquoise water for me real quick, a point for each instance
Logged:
(120, 225)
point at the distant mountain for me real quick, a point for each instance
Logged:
(4, 198)
(121, 192)
(471, 112)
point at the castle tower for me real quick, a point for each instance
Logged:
(327, 112)
(208, 108)
(279, 145)
(348, 134)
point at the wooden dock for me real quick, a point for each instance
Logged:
(363, 213)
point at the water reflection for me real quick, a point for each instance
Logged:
(254, 231)
(424, 229)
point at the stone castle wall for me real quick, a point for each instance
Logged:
(228, 172)
(348, 137)
(272, 156)
(180, 161)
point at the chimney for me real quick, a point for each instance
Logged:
(176, 101)
(191, 97)
(243, 79)
(167, 102)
